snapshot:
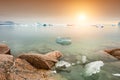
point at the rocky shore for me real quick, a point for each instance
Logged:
(35, 66)
(28, 66)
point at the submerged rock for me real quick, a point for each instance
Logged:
(41, 61)
(114, 52)
(93, 68)
(63, 40)
(4, 49)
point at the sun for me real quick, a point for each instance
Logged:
(82, 17)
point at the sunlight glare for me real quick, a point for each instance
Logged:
(82, 17)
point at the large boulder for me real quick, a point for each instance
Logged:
(4, 49)
(17, 69)
(5, 63)
(41, 61)
(114, 52)
(12, 68)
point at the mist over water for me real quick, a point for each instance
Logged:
(88, 41)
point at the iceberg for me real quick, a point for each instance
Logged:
(63, 40)
(93, 68)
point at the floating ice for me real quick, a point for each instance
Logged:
(117, 74)
(63, 40)
(4, 41)
(84, 59)
(63, 63)
(93, 67)
(53, 72)
(73, 64)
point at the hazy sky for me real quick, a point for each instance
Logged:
(59, 11)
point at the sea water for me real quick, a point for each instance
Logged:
(86, 41)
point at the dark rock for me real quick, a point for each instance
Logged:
(114, 52)
(44, 25)
(41, 61)
(4, 49)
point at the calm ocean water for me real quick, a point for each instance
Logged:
(87, 41)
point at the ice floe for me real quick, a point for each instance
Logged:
(93, 67)
(63, 63)
(117, 74)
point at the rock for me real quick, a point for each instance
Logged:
(17, 69)
(5, 63)
(41, 61)
(63, 40)
(114, 52)
(4, 49)
(93, 68)
(22, 70)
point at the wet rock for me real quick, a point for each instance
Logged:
(5, 63)
(22, 70)
(12, 68)
(63, 40)
(41, 61)
(17, 69)
(4, 49)
(114, 52)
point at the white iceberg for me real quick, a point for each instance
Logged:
(93, 68)
(63, 63)
(117, 74)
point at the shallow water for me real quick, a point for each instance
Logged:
(88, 41)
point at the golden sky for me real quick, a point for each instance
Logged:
(59, 10)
